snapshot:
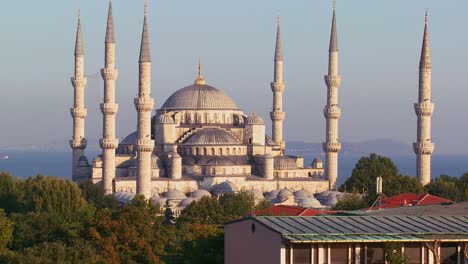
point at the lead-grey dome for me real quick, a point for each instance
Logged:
(174, 194)
(225, 187)
(201, 193)
(130, 139)
(211, 136)
(199, 97)
(165, 119)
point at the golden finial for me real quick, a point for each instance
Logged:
(199, 80)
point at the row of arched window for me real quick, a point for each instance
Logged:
(213, 151)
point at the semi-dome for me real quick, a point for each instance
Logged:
(174, 194)
(220, 161)
(211, 136)
(284, 194)
(254, 119)
(187, 201)
(200, 193)
(309, 202)
(165, 119)
(199, 97)
(301, 194)
(285, 163)
(225, 187)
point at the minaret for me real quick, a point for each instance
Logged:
(109, 107)
(144, 105)
(424, 109)
(277, 86)
(332, 111)
(78, 112)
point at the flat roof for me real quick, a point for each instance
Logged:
(300, 229)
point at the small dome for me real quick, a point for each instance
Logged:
(309, 202)
(159, 201)
(133, 163)
(225, 187)
(98, 158)
(211, 136)
(174, 194)
(330, 201)
(301, 194)
(124, 197)
(284, 194)
(174, 155)
(165, 119)
(285, 163)
(257, 195)
(199, 97)
(201, 193)
(254, 119)
(273, 194)
(268, 156)
(185, 202)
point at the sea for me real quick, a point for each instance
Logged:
(24, 164)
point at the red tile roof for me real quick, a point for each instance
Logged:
(287, 210)
(413, 199)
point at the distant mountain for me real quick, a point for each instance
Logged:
(386, 147)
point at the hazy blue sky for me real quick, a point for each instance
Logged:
(379, 41)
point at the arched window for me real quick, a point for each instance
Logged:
(212, 152)
(204, 151)
(224, 171)
(220, 151)
(227, 152)
(198, 151)
(234, 152)
(276, 174)
(213, 171)
(244, 171)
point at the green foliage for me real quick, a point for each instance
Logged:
(351, 201)
(8, 192)
(207, 210)
(366, 171)
(452, 188)
(6, 229)
(394, 255)
(236, 205)
(94, 194)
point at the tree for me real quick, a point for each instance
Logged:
(351, 201)
(6, 229)
(8, 193)
(449, 187)
(366, 171)
(94, 194)
(236, 205)
(207, 210)
(398, 184)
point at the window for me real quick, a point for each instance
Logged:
(301, 254)
(375, 254)
(448, 253)
(413, 253)
(339, 253)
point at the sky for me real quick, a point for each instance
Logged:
(379, 42)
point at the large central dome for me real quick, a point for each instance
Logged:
(199, 97)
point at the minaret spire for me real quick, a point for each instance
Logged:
(78, 112)
(109, 108)
(110, 35)
(144, 105)
(424, 147)
(332, 111)
(277, 87)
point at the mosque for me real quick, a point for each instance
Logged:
(199, 140)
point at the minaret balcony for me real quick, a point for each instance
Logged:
(78, 112)
(277, 115)
(424, 109)
(331, 146)
(109, 74)
(109, 108)
(277, 87)
(144, 145)
(424, 148)
(79, 82)
(332, 112)
(108, 143)
(144, 104)
(78, 143)
(333, 81)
